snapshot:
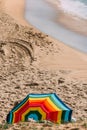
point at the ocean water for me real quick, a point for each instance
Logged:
(75, 7)
(41, 15)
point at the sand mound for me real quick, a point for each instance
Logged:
(32, 62)
(14, 46)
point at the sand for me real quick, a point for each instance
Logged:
(33, 62)
(10, 7)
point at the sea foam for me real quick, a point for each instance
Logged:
(74, 7)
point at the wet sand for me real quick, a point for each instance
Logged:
(69, 21)
(33, 62)
(44, 16)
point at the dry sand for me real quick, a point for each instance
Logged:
(16, 10)
(32, 62)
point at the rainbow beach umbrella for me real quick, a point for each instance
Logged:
(40, 107)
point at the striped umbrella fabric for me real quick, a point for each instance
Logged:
(40, 107)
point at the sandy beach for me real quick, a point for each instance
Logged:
(42, 15)
(33, 62)
(18, 13)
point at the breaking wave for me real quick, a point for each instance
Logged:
(74, 7)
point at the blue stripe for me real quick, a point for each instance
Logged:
(53, 97)
(57, 101)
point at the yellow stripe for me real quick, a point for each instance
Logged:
(39, 109)
(34, 109)
(59, 117)
(53, 105)
(13, 117)
(48, 99)
(21, 106)
(17, 111)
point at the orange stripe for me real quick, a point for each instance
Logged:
(44, 102)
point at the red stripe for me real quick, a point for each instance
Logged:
(42, 107)
(53, 116)
(45, 103)
(49, 114)
(20, 112)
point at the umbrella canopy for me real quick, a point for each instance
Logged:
(40, 107)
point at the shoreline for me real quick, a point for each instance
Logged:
(67, 48)
(56, 68)
(18, 15)
(78, 25)
(20, 19)
(66, 20)
(62, 19)
(46, 23)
